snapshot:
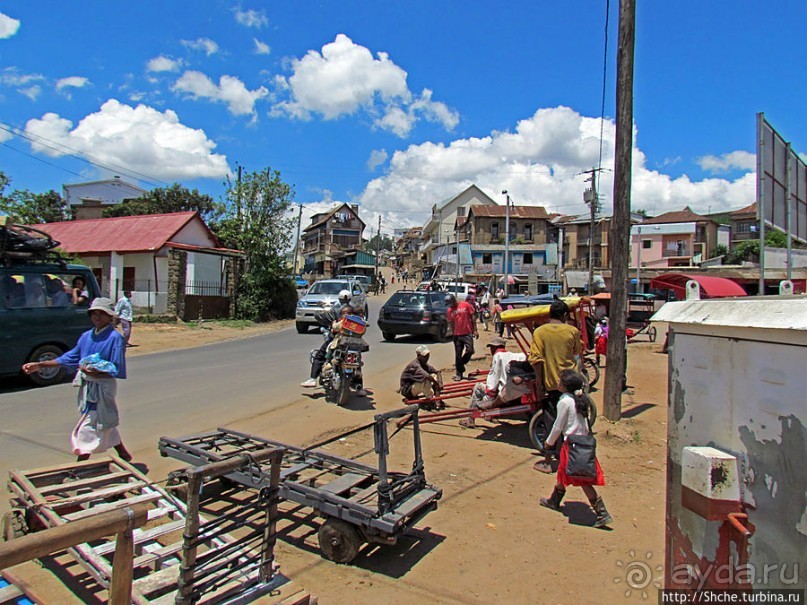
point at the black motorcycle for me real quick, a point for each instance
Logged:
(342, 371)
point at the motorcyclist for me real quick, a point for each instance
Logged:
(326, 319)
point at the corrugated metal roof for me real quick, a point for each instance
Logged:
(536, 212)
(687, 215)
(144, 233)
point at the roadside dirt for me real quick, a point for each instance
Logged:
(489, 541)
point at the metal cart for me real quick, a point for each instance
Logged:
(359, 502)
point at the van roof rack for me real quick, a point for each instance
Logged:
(22, 243)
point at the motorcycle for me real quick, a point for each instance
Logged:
(343, 359)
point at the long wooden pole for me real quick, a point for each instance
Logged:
(619, 242)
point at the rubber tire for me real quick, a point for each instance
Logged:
(538, 431)
(652, 333)
(339, 541)
(589, 368)
(592, 414)
(301, 328)
(55, 375)
(343, 396)
(388, 336)
(442, 333)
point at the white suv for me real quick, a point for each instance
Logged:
(323, 296)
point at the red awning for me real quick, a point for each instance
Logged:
(711, 287)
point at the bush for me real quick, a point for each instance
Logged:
(262, 297)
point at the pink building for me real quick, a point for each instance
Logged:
(680, 238)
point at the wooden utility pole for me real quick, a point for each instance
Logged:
(297, 244)
(377, 247)
(619, 243)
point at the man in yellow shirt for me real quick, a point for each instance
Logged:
(556, 346)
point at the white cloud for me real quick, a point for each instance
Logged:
(11, 76)
(539, 163)
(71, 82)
(261, 48)
(230, 90)
(208, 46)
(377, 157)
(32, 92)
(5, 135)
(140, 138)
(162, 63)
(741, 160)
(345, 78)
(251, 18)
(8, 26)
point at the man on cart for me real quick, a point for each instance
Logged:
(499, 388)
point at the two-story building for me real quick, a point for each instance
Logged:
(439, 249)
(532, 243)
(681, 238)
(330, 237)
(744, 224)
(407, 250)
(88, 200)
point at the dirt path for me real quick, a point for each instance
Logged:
(489, 541)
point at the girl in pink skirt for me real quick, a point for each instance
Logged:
(573, 410)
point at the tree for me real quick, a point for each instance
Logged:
(386, 243)
(256, 221)
(164, 200)
(28, 208)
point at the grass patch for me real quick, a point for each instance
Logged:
(237, 324)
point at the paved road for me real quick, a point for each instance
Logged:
(193, 390)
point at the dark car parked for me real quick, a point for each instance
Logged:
(408, 312)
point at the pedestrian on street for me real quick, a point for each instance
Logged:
(461, 316)
(556, 346)
(123, 309)
(498, 324)
(100, 357)
(573, 411)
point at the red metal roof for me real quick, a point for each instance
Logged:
(144, 233)
(711, 287)
(536, 212)
(676, 216)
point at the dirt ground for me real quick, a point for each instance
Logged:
(489, 541)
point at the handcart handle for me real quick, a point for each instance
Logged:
(406, 411)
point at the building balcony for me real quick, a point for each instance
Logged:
(680, 253)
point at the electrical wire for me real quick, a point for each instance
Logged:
(33, 157)
(604, 78)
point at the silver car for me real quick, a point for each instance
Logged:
(323, 296)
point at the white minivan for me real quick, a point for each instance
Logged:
(459, 289)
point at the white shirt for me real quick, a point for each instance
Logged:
(498, 369)
(124, 308)
(568, 422)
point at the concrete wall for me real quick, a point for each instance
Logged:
(736, 384)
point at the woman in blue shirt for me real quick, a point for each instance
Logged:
(100, 359)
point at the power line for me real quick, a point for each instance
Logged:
(33, 157)
(82, 156)
(604, 75)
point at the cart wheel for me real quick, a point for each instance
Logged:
(591, 372)
(13, 525)
(538, 430)
(652, 333)
(339, 541)
(592, 414)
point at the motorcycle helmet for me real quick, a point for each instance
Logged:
(344, 297)
(450, 299)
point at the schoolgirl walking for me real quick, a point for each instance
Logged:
(585, 470)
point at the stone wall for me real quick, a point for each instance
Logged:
(177, 267)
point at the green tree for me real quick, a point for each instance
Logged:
(28, 208)
(720, 250)
(385, 242)
(256, 221)
(164, 200)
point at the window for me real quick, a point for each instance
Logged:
(461, 211)
(647, 244)
(745, 227)
(528, 232)
(528, 258)
(487, 259)
(494, 230)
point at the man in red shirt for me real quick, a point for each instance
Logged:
(461, 315)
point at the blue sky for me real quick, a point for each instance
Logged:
(397, 105)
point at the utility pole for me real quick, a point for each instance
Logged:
(297, 246)
(377, 246)
(591, 198)
(238, 213)
(506, 243)
(619, 242)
